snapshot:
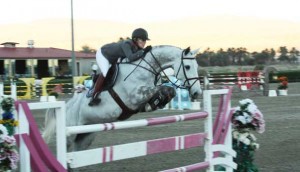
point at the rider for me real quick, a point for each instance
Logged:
(131, 49)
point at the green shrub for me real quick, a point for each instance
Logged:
(53, 93)
(293, 76)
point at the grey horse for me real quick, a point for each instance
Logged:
(135, 85)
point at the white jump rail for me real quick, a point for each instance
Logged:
(133, 124)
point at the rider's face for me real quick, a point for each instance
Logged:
(141, 43)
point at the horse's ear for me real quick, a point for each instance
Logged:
(187, 50)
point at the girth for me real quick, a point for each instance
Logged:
(126, 112)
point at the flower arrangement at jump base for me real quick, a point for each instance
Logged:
(246, 118)
(9, 156)
(283, 85)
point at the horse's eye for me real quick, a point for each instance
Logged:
(187, 67)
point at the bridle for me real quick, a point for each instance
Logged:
(187, 80)
(158, 73)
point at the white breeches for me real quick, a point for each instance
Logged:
(102, 62)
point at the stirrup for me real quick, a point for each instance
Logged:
(89, 94)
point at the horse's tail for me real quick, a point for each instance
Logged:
(50, 125)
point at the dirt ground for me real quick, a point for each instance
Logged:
(279, 144)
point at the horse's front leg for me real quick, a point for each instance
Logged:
(151, 98)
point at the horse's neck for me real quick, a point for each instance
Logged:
(161, 59)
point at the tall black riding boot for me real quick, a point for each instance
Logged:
(95, 100)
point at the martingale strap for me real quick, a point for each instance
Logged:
(126, 112)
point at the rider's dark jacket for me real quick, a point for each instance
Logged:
(122, 49)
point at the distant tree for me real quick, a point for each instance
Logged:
(223, 57)
(241, 54)
(272, 54)
(262, 57)
(248, 60)
(87, 49)
(294, 53)
(283, 54)
(203, 59)
(214, 59)
(232, 55)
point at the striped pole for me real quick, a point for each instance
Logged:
(136, 149)
(133, 124)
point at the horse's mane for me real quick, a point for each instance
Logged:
(164, 46)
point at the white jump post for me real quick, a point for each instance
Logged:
(13, 90)
(60, 113)
(60, 110)
(1, 89)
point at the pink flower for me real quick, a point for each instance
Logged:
(259, 121)
(10, 140)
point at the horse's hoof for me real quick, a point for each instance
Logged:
(148, 108)
(94, 102)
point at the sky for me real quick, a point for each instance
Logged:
(133, 13)
(18, 11)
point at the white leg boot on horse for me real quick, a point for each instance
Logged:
(95, 100)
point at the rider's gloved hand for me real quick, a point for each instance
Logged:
(147, 49)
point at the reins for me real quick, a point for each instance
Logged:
(158, 75)
(181, 64)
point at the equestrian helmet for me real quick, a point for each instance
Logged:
(140, 33)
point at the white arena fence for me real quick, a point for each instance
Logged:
(33, 88)
(13, 90)
(29, 88)
(216, 138)
(244, 80)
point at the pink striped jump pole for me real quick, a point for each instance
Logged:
(133, 124)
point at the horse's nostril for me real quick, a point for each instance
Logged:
(195, 94)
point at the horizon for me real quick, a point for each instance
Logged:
(197, 32)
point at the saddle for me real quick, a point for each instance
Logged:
(159, 100)
(111, 77)
(109, 82)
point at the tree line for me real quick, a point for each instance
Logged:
(238, 56)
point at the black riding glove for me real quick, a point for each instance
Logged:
(147, 49)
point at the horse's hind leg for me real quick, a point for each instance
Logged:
(83, 141)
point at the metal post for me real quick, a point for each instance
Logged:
(73, 53)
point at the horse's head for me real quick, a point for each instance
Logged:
(186, 70)
(183, 62)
